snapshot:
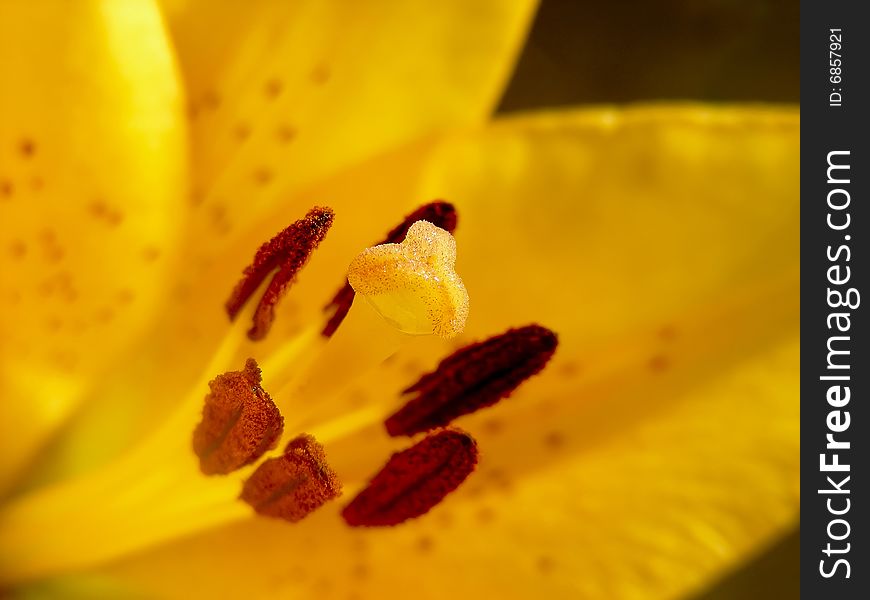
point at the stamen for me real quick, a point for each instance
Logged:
(474, 377)
(288, 252)
(239, 422)
(414, 480)
(439, 213)
(413, 284)
(294, 485)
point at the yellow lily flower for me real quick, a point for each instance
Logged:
(147, 152)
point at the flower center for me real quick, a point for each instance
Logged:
(412, 287)
(407, 286)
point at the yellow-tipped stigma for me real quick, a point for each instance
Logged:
(413, 285)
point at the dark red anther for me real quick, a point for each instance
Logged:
(239, 422)
(474, 377)
(288, 252)
(439, 213)
(292, 486)
(414, 480)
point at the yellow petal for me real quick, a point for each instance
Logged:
(91, 181)
(618, 218)
(282, 94)
(649, 507)
(659, 449)
(285, 93)
(598, 223)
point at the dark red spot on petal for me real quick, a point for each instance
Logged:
(273, 88)
(545, 564)
(211, 100)
(292, 486)
(414, 480)
(263, 176)
(239, 422)
(150, 253)
(439, 213)
(242, 131)
(659, 363)
(18, 249)
(27, 148)
(320, 74)
(6, 188)
(555, 440)
(285, 133)
(474, 377)
(360, 571)
(668, 332)
(288, 252)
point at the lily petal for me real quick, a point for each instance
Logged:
(93, 150)
(285, 93)
(656, 511)
(660, 449)
(281, 95)
(600, 223)
(603, 223)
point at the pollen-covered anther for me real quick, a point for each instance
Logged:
(439, 213)
(288, 252)
(474, 377)
(239, 422)
(415, 480)
(292, 486)
(413, 285)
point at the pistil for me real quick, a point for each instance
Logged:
(413, 285)
(441, 214)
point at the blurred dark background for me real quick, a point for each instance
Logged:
(602, 52)
(583, 52)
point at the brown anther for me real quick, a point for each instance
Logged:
(439, 213)
(239, 422)
(415, 480)
(288, 252)
(292, 486)
(474, 377)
